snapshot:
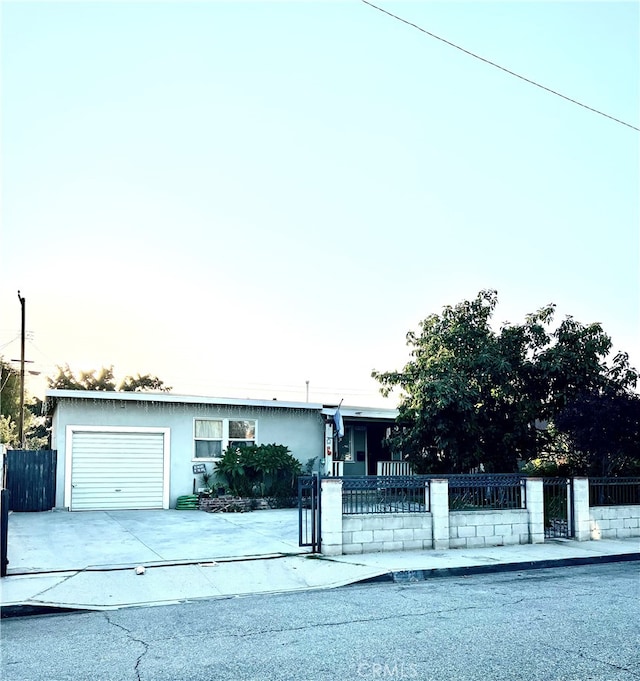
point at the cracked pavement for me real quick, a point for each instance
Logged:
(569, 624)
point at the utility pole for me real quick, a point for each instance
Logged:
(22, 336)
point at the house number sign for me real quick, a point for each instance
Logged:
(199, 468)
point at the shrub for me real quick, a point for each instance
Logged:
(262, 470)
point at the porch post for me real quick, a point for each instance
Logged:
(439, 495)
(581, 518)
(328, 449)
(535, 509)
(331, 517)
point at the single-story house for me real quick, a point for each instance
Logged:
(127, 450)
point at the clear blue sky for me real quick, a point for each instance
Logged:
(239, 197)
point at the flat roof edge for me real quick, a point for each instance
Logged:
(180, 399)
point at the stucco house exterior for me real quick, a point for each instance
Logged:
(126, 450)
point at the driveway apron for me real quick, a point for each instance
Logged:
(60, 540)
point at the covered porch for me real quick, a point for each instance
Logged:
(362, 450)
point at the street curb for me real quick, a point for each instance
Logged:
(412, 576)
(391, 577)
(32, 610)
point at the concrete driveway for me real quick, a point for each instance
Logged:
(60, 540)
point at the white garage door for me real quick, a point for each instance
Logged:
(117, 470)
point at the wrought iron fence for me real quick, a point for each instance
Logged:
(490, 491)
(309, 511)
(557, 495)
(614, 491)
(385, 494)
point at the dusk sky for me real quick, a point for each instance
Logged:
(240, 197)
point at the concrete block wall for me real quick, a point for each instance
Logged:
(614, 522)
(534, 492)
(581, 514)
(443, 529)
(331, 518)
(386, 532)
(469, 529)
(439, 507)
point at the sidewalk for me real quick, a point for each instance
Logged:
(163, 583)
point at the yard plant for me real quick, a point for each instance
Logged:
(268, 470)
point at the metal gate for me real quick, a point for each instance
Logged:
(558, 508)
(309, 509)
(31, 479)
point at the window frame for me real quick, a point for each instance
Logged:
(225, 440)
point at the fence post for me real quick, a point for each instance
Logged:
(439, 493)
(331, 517)
(535, 509)
(580, 511)
(4, 529)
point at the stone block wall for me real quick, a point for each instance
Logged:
(369, 533)
(469, 529)
(614, 522)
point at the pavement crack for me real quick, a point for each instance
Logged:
(144, 644)
(591, 658)
(360, 620)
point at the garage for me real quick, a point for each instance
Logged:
(118, 469)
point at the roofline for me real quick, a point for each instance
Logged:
(363, 413)
(54, 394)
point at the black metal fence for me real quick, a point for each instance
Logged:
(491, 491)
(31, 479)
(557, 494)
(309, 512)
(4, 528)
(614, 491)
(385, 494)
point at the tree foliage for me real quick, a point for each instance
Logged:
(103, 379)
(144, 383)
(603, 433)
(472, 396)
(9, 390)
(35, 430)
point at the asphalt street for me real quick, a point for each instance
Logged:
(561, 624)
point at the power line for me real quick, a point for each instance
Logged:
(502, 68)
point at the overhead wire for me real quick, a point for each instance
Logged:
(502, 68)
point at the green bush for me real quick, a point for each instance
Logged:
(259, 470)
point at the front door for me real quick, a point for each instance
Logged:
(353, 450)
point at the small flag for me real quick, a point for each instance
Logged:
(337, 419)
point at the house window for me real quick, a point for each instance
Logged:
(208, 437)
(213, 436)
(242, 433)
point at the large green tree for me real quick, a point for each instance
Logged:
(144, 383)
(472, 395)
(103, 379)
(66, 379)
(602, 433)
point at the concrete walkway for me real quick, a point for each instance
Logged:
(59, 540)
(86, 561)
